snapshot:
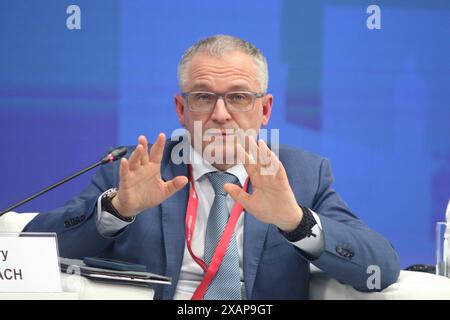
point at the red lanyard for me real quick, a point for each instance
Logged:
(219, 253)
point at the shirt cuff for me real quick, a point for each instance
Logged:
(108, 225)
(313, 246)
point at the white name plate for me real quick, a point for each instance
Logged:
(29, 263)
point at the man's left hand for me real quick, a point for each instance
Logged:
(272, 200)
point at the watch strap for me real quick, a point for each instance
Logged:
(304, 228)
(107, 205)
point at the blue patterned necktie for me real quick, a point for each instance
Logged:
(227, 282)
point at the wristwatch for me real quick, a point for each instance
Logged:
(304, 228)
(107, 205)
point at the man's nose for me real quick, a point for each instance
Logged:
(220, 112)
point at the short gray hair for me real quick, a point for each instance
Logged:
(218, 45)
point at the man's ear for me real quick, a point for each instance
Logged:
(267, 108)
(179, 108)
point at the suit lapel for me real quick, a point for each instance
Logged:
(173, 212)
(254, 235)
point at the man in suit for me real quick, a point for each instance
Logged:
(281, 213)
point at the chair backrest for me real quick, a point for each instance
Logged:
(12, 222)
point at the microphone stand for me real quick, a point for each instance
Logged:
(110, 157)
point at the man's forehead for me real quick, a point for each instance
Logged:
(204, 85)
(237, 60)
(236, 67)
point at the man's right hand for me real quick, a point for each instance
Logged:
(141, 186)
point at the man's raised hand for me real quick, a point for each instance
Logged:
(141, 186)
(272, 200)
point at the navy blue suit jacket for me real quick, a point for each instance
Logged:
(273, 267)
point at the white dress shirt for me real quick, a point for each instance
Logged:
(191, 273)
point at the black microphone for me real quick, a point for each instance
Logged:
(113, 155)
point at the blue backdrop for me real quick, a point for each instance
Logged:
(375, 102)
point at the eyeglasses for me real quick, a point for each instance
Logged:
(236, 101)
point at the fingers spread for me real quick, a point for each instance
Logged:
(248, 161)
(272, 168)
(253, 149)
(264, 153)
(143, 141)
(238, 194)
(135, 158)
(124, 169)
(281, 171)
(156, 152)
(175, 184)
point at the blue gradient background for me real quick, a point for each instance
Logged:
(376, 103)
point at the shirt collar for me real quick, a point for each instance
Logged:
(200, 167)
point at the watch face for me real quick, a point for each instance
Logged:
(111, 193)
(108, 206)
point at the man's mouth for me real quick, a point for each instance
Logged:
(221, 133)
